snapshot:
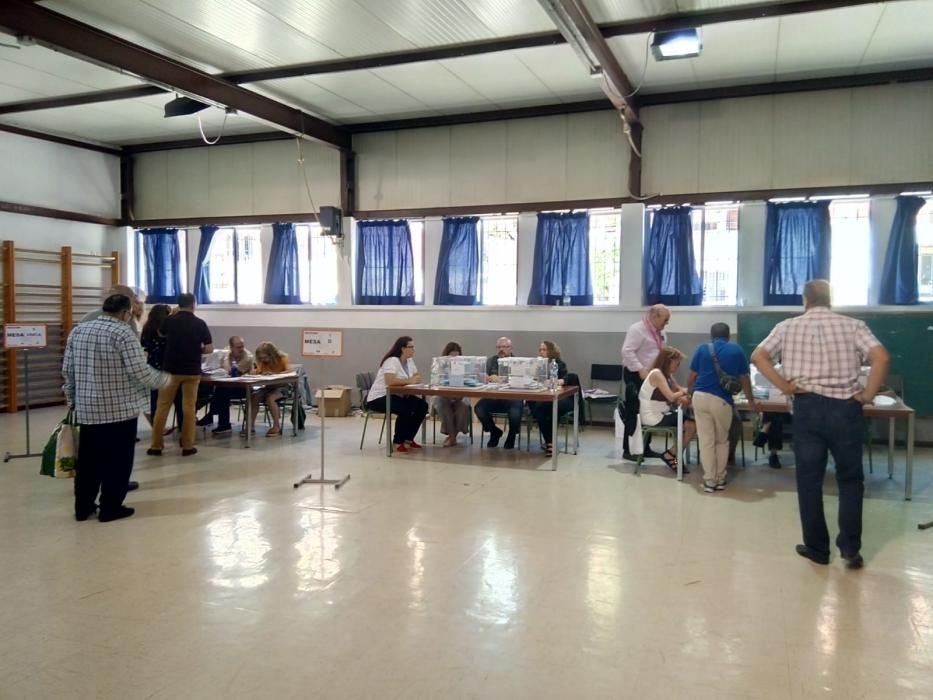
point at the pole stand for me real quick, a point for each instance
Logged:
(7, 456)
(309, 479)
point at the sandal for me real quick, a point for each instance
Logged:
(272, 432)
(670, 460)
(548, 450)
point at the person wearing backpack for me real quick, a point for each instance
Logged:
(718, 371)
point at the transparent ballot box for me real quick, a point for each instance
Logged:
(523, 372)
(463, 370)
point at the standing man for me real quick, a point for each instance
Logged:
(187, 337)
(107, 384)
(643, 341)
(713, 405)
(821, 355)
(486, 407)
(237, 361)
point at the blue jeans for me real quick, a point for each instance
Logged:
(823, 425)
(486, 407)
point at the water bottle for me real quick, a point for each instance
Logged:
(552, 375)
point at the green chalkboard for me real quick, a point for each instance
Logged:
(907, 336)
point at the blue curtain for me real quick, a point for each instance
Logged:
(163, 265)
(797, 242)
(561, 269)
(202, 268)
(669, 263)
(458, 264)
(282, 285)
(385, 272)
(899, 275)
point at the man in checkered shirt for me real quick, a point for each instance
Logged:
(106, 384)
(821, 355)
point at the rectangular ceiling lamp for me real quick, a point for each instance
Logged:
(181, 106)
(683, 43)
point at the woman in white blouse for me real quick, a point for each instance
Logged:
(660, 396)
(398, 369)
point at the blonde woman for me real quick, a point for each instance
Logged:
(268, 359)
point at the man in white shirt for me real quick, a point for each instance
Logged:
(643, 341)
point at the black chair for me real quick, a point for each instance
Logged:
(565, 420)
(601, 373)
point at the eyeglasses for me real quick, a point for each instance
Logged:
(409, 347)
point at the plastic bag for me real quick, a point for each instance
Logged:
(66, 450)
(636, 445)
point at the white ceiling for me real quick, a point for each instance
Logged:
(223, 35)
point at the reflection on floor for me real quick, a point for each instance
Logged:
(451, 573)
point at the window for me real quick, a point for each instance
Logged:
(318, 260)
(417, 256)
(850, 252)
(925, 251)
(140, 260)
(716, 249)
(605, 249)
(235, 269)
(498, 240)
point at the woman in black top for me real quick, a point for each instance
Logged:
(154, 345)
(541, 410)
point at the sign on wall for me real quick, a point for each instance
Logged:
(16, 336)
(321, 342)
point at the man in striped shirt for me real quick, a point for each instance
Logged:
(821, 354)
(106, 384)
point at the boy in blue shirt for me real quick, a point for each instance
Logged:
(713, 406)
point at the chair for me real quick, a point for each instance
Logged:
(505, 426)
(601, 373)
(565, 420)
(433, 412)
(364, 382)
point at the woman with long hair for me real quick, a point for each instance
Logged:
(541, 411)
(454, 413)
(659, 397)
(268, 359)
(154, 345)
(397, 368)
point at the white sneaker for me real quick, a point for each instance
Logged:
(710, 486)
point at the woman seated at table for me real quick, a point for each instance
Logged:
(659, 397)
(454, 413)
(542, 411)
(398, 369)
(268, 359)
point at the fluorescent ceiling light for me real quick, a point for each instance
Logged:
(922, 193)
(823, 197)
(683, 43)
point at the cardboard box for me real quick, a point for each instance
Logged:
(336, 400)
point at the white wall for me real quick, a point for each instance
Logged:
(576, 156)
(45, 174)
(857, 136)
(257, 178)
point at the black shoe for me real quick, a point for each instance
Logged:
(807, 553)
(206, 421)
(222, 430)
(153, 452)
(81, 516)
(628, 457)
(119, 514)
(509, 442)
(774, 461)
(651, 454)
(494, 436)
(132, 486)
(853, 561)
(761, 439)
(188, 453)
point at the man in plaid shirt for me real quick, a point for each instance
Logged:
(822, 353)
(106, 384)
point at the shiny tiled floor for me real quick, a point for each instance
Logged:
(455, 574)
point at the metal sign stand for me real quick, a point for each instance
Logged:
(321, 339)
(28, 453)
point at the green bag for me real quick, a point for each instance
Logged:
(48, 454)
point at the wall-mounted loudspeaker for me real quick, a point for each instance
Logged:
(331, 219)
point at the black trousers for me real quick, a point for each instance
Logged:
(105, 461)
(410, 410)
(220, 405)
(543, 415)
(633, 382)
(825, 426)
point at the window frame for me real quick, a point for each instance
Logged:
(482, 257)
(700, 256)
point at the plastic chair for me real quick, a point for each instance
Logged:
(600, 373)
(364, 382)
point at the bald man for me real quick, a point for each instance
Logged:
(643, 341)
(137, 298)
(821, 355)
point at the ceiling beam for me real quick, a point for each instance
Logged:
(475, 48)
(59, 139)
(89, 43)
(584, 36)
(232, 139)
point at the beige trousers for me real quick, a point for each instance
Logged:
(713, 417)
